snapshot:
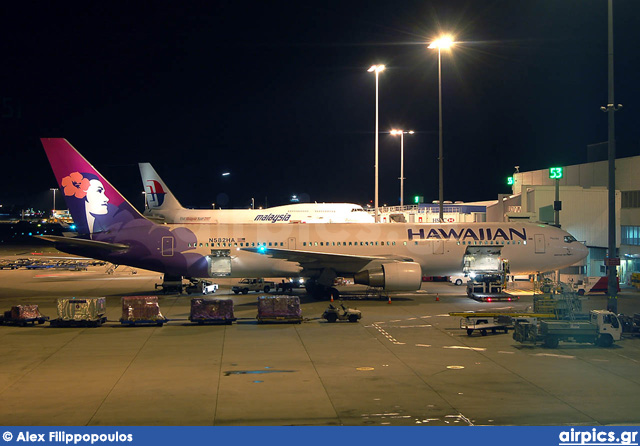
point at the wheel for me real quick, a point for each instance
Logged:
(605, 340)
(469, 331)
(551, 342)
(245, 291)
(493, 331)
(236, 291)
(580, 292)
(332, 317)
(458, 282)
(266, 289)
(483, 332)
(353, 318)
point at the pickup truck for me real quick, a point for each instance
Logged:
(259, 284)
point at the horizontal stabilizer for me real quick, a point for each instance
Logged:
(74, 242)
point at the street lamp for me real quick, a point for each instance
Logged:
(443, 43)
(376, 69)
(401, 133)
(52, 189)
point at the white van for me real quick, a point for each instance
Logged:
(458, 280)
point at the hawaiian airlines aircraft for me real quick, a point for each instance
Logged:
(390, 256)
(164, 207)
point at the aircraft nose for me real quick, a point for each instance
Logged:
(580, 250)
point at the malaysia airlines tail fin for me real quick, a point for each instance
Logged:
(95, 205)
(157, 194)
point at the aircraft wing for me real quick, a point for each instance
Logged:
(73, 242)
(342, 263)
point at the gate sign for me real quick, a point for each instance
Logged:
(612, 262)
(555, 173)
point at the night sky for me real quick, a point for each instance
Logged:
(278, 94)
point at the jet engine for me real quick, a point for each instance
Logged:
(397, 276)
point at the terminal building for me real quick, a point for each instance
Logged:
(584, 214)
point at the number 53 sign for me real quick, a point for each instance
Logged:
(555, 173)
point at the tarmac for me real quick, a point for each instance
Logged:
(404, 363)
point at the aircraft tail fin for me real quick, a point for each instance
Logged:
(157, 194)
(95, 205)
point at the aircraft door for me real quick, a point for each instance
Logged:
(438, 246)
(292, 243)
(539, 240)
(168, 244)
(219, 263)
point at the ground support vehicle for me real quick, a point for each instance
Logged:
(198, 286)
(630, 325)
(259, 285)
(23, 315)
(563, 305)
(488, 291)
(333, 314)
(484, 322)
(593, 285)
(279, 309)
(141, 310)
(211, 311)
(89, 312)
(170, 284)
(602, 329)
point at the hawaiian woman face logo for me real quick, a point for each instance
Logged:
(92, 201)
(96, 199)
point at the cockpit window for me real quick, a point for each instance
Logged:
(569, 239)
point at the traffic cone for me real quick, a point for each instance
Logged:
(389, 301)
(331, 297)
(437, 297)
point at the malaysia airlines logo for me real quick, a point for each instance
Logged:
(273, 218)
(155, 194)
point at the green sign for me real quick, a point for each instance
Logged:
(555, 173)
(417, 199)
(510, 181)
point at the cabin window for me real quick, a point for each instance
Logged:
(404, 243)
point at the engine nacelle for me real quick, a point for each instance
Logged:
(396, 276)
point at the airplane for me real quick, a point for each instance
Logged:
(164, 207)
(391, 256)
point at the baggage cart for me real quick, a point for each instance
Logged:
(23, 315)
(280, 308)
(141, 310)
(211, 311)
(87, 312)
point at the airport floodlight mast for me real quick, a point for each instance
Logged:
(443, 43)
(401, 133)
(377, 69)
(52, 189)
(612, 261)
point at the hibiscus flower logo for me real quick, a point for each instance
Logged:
(75, 184)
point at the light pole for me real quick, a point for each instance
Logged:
(376, 69)
(54, 199)
(444, 42)
(401, 133)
